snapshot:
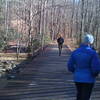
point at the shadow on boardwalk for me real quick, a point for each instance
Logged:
(44, 78)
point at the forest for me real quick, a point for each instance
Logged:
(33, 23)
(32, 65)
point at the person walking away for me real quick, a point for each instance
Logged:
(84, 63)
(60, 42)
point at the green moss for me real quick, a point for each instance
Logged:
(47, 39)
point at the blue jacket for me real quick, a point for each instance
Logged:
(85, 64)
(60, 40)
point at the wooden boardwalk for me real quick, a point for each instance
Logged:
(44, 78)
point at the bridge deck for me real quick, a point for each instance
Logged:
(44, 78)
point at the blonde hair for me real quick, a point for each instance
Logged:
(59, 35)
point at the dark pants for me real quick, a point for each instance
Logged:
(60, 48)
(84, 90)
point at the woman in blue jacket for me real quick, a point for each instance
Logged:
(84, 63)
